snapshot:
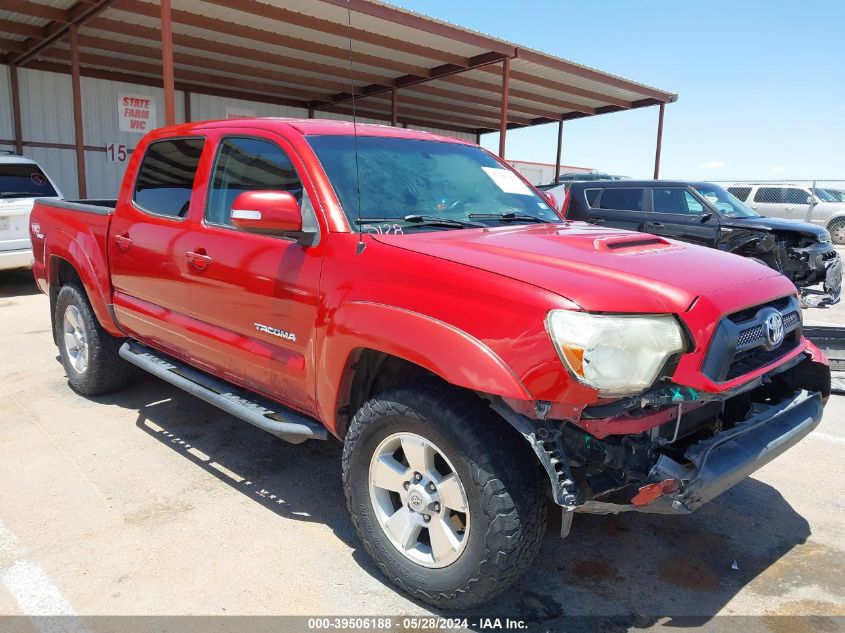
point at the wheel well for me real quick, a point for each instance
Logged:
(369, 372)
(62, 273)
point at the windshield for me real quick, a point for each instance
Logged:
(824, 196)
(24, 180)
(401, 178)
(727, 204)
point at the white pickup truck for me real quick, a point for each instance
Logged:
(21, 181)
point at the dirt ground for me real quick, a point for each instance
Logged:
(150, 502)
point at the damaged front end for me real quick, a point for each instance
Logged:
(806, 260)
(672, 449)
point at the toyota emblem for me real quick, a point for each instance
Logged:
(774, 329)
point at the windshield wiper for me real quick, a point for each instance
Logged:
(510, 215)
(428, 220)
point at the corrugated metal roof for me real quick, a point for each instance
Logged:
(299, 52)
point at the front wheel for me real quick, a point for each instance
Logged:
(451, 511)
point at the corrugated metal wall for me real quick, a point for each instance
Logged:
(47, 117)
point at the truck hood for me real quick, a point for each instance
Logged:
(774, 224)
(599, 269)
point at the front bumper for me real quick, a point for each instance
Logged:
(829, 265)
(16, 259)
(719, 463)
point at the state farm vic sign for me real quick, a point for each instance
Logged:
(137, 113)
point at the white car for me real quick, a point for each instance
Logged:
(21, 181)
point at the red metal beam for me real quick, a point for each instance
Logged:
(14, 46)
(427, 25)
(659, 142)
(186, 106)
(77, 109)
(503, 120)
(394, 108)
(19, 28)
(559, 148)
(167, 64)
(392, 44)
(80, 13)
(33, 10)
(16, 108)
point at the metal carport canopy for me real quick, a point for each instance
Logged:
(408, 68)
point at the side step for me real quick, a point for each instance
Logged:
(269, 416)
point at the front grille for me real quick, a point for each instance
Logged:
(741, 344)
(829, 255)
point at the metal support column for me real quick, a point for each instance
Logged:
(394, 108)
(559, 148)
(659, 142)
(16, 108)
(503, 121)
(187, 105)
(167, 64)
(76, 87)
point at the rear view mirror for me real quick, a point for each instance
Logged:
(267, 212)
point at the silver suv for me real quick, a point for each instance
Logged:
(796, 202)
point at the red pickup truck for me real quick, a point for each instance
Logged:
(414, 297)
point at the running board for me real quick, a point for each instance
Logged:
(269, 416)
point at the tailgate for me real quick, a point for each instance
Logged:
(14, 224)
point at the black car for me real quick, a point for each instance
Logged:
(706, 214)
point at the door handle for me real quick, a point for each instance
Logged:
(123, 242)
(198, 259)
(597, 220)
(655, 225)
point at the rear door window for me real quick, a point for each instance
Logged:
(795, 196)
(592, 196)
(621, 199)
(166, 177)
(675, 200)
(769, 195)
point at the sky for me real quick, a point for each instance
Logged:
(761, 85)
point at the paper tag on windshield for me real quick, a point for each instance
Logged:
(507, 181)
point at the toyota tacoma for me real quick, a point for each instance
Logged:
(414, 297)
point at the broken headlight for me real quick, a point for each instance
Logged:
(618, 355)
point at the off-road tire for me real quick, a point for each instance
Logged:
(106, 370)
(503, 484)
(837, 231)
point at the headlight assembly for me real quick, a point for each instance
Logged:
(618, 355)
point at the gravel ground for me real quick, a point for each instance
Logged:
(150, 502)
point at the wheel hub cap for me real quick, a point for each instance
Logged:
(75, 339)
(419, 500)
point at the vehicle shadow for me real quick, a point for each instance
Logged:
(611, 573)
(17, 283)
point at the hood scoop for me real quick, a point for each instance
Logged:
(633, 244)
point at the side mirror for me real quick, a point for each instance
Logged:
(550, 197)
(267, 212)
(812, 200)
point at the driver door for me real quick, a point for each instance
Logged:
(255, 296)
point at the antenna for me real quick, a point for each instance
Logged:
(361, 244)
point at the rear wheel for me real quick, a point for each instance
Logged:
(837, 231)
(451, 511)
(89, 354)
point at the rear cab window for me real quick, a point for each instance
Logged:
(166, 177)
(24, 180)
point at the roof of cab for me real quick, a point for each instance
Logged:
(315, 127)
(16, 159)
